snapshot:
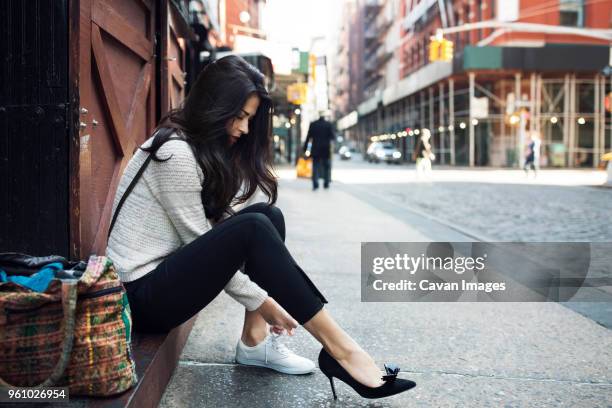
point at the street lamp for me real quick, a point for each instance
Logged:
(244, 17)
(581, 121)
(462, 125)
(554, 120)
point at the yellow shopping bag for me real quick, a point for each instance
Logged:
(304, 167)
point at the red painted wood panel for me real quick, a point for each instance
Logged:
(116, 70)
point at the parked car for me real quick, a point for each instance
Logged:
(386, 152)
(370, 155)
(346, 152)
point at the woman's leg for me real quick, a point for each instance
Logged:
(255, 328)
(344, 349)
(273, 213)
(186, 281)
(322, 326)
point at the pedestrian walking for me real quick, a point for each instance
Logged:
(423, 154)
(189, 224)
(320, 134)
(532, 155)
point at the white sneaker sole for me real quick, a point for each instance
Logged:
(275, 367)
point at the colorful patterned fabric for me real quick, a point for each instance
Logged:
(32, 327)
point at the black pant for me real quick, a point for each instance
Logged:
(529, 163)
(321, 168)
(186, 281)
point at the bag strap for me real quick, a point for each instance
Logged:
(128, 191)
(69, 301)
(133, 183)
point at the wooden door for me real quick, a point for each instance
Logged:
(114, 75)
(174, 34)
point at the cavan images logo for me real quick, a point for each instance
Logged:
(477, 271)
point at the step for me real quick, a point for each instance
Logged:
(156, 357)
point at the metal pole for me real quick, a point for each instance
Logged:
(602, 114)
(566, 116)
(596, 123)
(572, 120)
(610, 115)
(289, 146)
(405, 124)
(519, 131)
(441, 109)
(431, 109)
(422, 109)
(451, 118)
(539, 105)
(532, 102)
(528, 28)
(502, 122)
(442, 9)
(387, 113)
(472, 77)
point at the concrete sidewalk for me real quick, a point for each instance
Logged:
(460, 354)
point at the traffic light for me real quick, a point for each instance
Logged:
(447, 50)
(297, 93)
(434, 49)
(440, 50)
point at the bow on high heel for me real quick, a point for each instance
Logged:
(392, 371)
(393, 385)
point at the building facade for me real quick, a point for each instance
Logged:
(526, 69)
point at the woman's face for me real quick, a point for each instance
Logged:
(240, 125)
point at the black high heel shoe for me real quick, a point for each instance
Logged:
(393, 385)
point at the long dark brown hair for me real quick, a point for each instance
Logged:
(217, 97)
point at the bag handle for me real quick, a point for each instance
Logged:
(69, 301)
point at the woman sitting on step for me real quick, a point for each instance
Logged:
(189, 230)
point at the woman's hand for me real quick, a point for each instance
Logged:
(277, 317)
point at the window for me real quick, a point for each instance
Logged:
(571, 13)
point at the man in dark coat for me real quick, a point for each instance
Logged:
(321, 134)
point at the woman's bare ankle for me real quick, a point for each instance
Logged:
(254, 330)
(342, 351)
(253, 337)
(350, 353)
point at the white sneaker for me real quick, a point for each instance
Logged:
(273, 354)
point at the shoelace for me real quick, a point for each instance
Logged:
(276, 344)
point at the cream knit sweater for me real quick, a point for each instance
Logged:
(163, 213)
